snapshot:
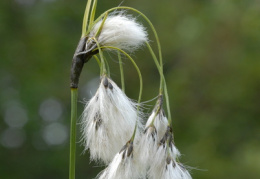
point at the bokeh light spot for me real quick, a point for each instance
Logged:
(12, 138)
(55, 134)
(50, 110)
(15, 116)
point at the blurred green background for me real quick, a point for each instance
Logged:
(212, 66)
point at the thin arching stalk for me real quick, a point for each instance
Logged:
(107, 66)
(103, 64)
(121, 72)
(98, 61)
(136, 67)
(101, 26)
(162, 85)
(162, 78)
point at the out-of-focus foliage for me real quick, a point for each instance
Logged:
(212, 66)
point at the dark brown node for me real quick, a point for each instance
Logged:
(110, 86)
(105, 82)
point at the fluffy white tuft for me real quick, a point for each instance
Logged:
(147, 148)
(123, 166)
(157, 167)
(170, 169)
(174, 170)
(121, 31)
(108, 121)
(160, 123)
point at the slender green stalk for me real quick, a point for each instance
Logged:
(85, 19)
(93, 12)
(162, 78)
(101, 26)
(162, 86)
(159, 67)
(167, 103)
(74, 97)
(103, 64)
(136, 67)
(107, 66)
(98, 61)
(99, 64)
(121, 72)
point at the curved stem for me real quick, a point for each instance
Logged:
(74, 97)
(103, 65)
(136, 67)
(121, 72)
(165, 85)
(107, 66)
(162, 86)
(159, 67)
(98, 61)
(167, 103)
(101, 25)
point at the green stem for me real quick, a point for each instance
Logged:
(136, 67)
(121, 72)
(74, 97)
(85, 19)
(98, 61)
(162, 86)
(159, 67)
(107, 66)
(101, 26)
(93, 12)
(167, 103)
(103, 65)
(165, 85)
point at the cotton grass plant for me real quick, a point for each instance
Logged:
(112, 125)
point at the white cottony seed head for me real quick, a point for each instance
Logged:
(169, 169)
(123, 166)
(108, 121)
(121, 31)
(175, 170)
(165, 150)
(147, 148)
(157, 165)
(160, 123)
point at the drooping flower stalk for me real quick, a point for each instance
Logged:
(159, 63)
(116, 106)
(110, 118)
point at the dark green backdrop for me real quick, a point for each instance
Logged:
(212, 66)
